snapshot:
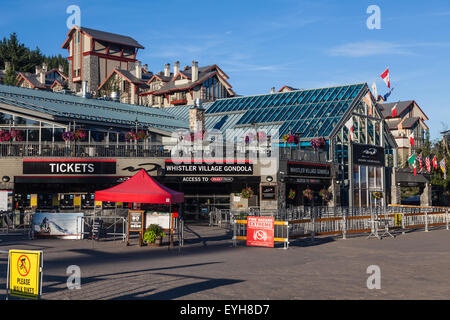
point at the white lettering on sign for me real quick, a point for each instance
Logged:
(71, 167)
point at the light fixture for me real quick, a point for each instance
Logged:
(5, 179)
(269, 178)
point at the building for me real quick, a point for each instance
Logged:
(43, 79)
(94, 54)
(408, 120)
(181, 87)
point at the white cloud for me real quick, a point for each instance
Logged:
(372, 48)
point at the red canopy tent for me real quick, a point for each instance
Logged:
(140, 188)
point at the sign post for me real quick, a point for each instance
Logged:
(260, 231)
(135, 224)
(25, 274)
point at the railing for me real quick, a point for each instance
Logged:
(82, 150)
(363, 220)
(287, 153)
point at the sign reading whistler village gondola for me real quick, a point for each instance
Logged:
(368, 155)
(308, 170)
(60, 166)
(221, 168)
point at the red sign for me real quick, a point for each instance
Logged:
(260, 231)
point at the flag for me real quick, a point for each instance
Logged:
(394, 111)
(435, 164)
(386, 96)
(428, 164)
(349, 126)
(411, 139)
(419, 158)
(412, 159)
(386, 77)
(443, 168)
(374, 90)
(367, 100)
(400, 126)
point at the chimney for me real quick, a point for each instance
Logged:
(167, 70)
(272, 90)
(61, 68)
(197, 117)
(84, 88)
(194, 71)
(138, 70)
(176, 67)
(40, 72)
(145, 66)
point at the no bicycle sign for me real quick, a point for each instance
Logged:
(25, 273)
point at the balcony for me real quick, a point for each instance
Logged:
(303, 155)
(179, 102)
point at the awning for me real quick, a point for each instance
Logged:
(141, 188)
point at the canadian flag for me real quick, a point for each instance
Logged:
(349, 126)
(387, 79)
(411, 139)
(394, 111)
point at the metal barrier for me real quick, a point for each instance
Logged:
(370, 221)
(281, 232)
(112, 226)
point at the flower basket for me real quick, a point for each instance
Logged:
(377, 195)
(247, 193)
(325, 195)
(318, 143)
(307, 193)
(68, 136)
(290, 138)
(292, 193)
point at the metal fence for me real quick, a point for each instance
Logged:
(113, 227)
(343, 222)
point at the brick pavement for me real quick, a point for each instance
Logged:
(413, 266)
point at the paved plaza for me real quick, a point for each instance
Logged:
(413, 266)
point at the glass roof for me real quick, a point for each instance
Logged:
(310, 113)
(64, 105)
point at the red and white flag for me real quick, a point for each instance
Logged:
(435, 163)
(428, 164)
(349, 126)
(386, 77)
(411, 139)
(394, 111)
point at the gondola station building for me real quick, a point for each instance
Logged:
(330, 146)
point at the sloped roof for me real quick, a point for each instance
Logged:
(32, 79)
(386, 108)
(58, 105)
(140, 188)
(105, 36)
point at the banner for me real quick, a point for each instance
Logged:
(260, 231)
(60, 225)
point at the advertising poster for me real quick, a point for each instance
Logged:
(60, 225)
(260, 231)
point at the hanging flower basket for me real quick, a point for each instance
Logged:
(141, 135)
(318, 143)
(377, 195)
(79, 134)
(307, 193)
(292, 194)
(262, 136)
(247, 193)
(68, 136)
(290, 138)
(249, 137)
(325, 194)
(6, 135)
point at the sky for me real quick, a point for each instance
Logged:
(264, 44)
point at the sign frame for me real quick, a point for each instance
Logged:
(268, 234)
(141, 230)
(39, 276)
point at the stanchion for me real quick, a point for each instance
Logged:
(426, 221)
(344, 226)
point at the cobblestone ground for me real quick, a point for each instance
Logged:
(413, 266)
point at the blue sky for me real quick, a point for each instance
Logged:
(264, 44)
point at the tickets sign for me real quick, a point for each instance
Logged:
(260, 231)
(25, 268)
